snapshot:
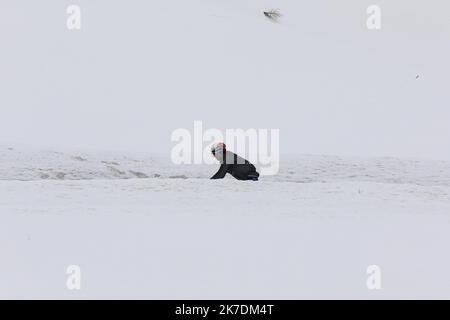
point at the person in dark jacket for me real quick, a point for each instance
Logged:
(233, 164)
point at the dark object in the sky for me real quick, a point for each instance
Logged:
(417, 77)
(273, 14)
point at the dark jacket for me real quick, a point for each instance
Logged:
(237, 166)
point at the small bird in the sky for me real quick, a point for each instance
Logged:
(417, 77)
(273, 14)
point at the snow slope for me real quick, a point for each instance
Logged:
(141, 227)
(309, 232)
(28, 164)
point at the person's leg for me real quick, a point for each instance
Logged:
(253, 176)
(245, 172)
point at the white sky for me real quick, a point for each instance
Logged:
(140, 69)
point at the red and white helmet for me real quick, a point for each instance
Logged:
(218, 148)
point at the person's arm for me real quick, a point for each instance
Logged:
(220, 174)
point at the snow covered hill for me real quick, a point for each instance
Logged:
(28, 164)
(140, 227)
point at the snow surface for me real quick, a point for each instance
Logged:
(141, 227)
